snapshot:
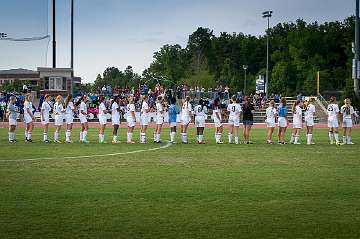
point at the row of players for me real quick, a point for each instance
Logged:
(64, 111)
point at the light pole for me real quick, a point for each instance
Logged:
(268, 15)
(3, 35)
(245, 68)
(356, 52)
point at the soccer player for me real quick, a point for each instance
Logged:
(159, 119)
(248, 118)
(102, 119)
(200, 112)
(309, 121)
(69, 117)
(348, 114)
(217, 121)
(45, 116)
(173, 112)
(333, 121)
(59, 111)
(185, 119)
(12, 113)
(144, 119)
(297, 122)
(29, 117)
(282, 120)
(271, 114)
(115, 119)
(234, 119)
(130, 119)
(83, 114)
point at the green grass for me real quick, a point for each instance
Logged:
(184, 191)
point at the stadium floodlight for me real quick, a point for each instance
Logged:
(268, 15)
(245, 68)
(3, 35)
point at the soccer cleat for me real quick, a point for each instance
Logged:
(219, 142)
(12, 141)
(29, 140)
(69, 142)
(351, 143)
(331, 142)
(47, 141)
(297, 143)
(201, 142)
(115, 142)
(339, 144)
(130, 142)
(86, 142)
(103, 142)
(57, 142)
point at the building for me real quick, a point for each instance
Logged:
(53, 81)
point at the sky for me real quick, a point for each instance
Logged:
(127, 32)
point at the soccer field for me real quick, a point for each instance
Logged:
(179, 191)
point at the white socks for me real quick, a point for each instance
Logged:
(157, 138)
(292, 139)
(45, 136)
(68, 135)
(309, 139)
(230, 138)
(296, 139)
(184, 137)
(11, 136)
(236, 139)
(336, 136)
(218, 137)
(56, 135)
(129, 137)
(101, 138)
(172, 137)
(115, 138)
(200, 138)
(142, 138)
(84, 134)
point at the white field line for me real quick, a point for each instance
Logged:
(168, 144)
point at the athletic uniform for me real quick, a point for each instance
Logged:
(45, 116)
(115, 114)
(27, 117)
(332, 111)
(83, 108)
(282, 112)
(234, 117)
(12, 114)
(102, 115)
(159, 114)
(185, 113)
(200, 116)
(347, 113)
(69, 113)
(144, 117)
(217, 121)
(59, 114)
(297, 118)
(130, 119)
(270, 117)
(309, 115)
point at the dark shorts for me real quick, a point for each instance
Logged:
(248, 122)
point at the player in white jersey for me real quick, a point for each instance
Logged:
(69, 117)
(217, 121)
(200, 112)
(186, 115)
(234, 110)
(297, 122)
(144, 119)
(45, 117)
(159, 119)
(333, 113)
(83, 114)
(102, 119)
(59, 112)
(271, 113)
(12, 114)
(130, 119)
(309, 121)
(28, 117)
(115, 119)
(348, 113)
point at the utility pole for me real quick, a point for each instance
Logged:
(356, 67)
(268, 15)
(72, 38)
(54, 32)
(245, 68)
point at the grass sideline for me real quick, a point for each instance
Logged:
(183, 191)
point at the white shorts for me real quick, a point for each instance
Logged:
(59, 120)
(173, 124)
(102, 120)
(333, 123)
(282, 122)
(144, 120)
(234, 121)
(199, 121)
(309, 121)
(27, 119)
(12, 122)
(130, 122)
(159, 119)
(218, 124)
(45, 120)
(270, 123)
(69, 119)
(83, 119)
(185, 120)
(347, 123)
(115, 121)
(297, 125)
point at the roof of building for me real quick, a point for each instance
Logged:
(18, 71)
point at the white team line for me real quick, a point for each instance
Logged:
(168, 144)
